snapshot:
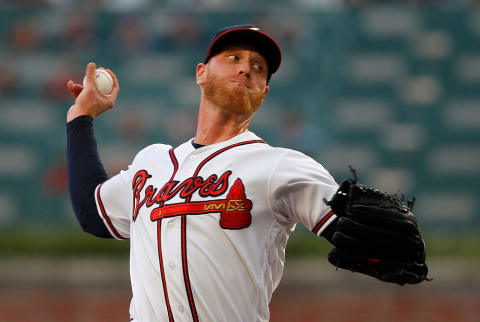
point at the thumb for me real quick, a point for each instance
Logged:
(90, 74)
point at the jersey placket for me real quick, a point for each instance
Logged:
(187, 162)
(172, 248)
(171, 256)
(159, 241)
(184, 222)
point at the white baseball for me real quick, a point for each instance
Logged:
(103, 80)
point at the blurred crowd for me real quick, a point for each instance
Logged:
(136, 4)
(391, 89)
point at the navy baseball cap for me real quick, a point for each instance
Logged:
(266, 45)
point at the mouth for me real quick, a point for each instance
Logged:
(239, 83)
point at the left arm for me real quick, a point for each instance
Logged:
(298, 187)
(330, 230)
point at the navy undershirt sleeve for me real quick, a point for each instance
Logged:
(85, 171)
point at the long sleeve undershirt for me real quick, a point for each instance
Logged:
(85, 171)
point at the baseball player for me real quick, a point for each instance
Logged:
(208, 221)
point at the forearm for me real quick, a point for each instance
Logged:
(85, 171)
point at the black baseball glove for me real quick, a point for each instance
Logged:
(377, 235)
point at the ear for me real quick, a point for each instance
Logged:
(267, 89)
(201, 73)
(265, 92)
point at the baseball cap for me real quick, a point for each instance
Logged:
(266, 45)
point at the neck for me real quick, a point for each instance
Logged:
(216, 124)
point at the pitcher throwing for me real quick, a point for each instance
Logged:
(208, 221)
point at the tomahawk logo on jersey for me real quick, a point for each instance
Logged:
(210, 225)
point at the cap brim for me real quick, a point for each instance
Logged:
(266, 45)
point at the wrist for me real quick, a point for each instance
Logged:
(75, 111)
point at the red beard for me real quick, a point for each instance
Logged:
(231, 96)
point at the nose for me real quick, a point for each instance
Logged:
(244, 69)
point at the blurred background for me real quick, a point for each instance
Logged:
(389, 87)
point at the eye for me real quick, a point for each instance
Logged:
(233, 58)
(258, 67)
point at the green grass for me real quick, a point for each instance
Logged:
(74, 242)
(465, 246)
(438, 245)
(19, 242)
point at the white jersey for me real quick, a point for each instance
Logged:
(208, 227)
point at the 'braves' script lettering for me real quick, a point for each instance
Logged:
(210, 187)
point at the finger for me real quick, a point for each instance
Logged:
(72, 89)
(90, 74)
(76, 90)
(69, 85)
(116, 85)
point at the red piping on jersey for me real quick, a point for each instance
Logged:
(105, 216)
(186, 277)
(160, 259)
(175, 163)
(220, 151)
(188, 288)
(159, 241)
(322, 222)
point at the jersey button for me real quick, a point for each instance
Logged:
(180, 308)
(170, 224)
(171, 265)
(193, 157)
